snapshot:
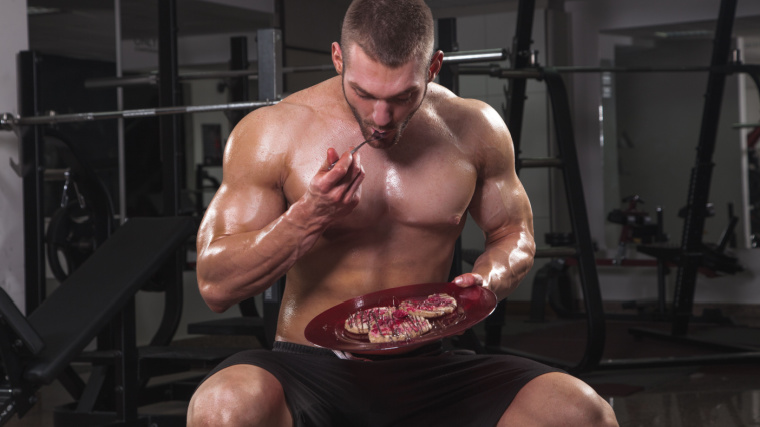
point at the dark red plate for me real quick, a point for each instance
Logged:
(327, 330)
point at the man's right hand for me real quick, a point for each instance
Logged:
(334, 193)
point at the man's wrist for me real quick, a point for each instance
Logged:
(303, 215)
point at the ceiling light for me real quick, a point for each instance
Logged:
(683, 34)
(36, 10)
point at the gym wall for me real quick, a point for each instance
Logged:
(14, 39)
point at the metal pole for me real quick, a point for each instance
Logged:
(470, 56)
(238, 87)
(452, 57)
(701, 174)
(172, 153)
(269, 51)
(31, 167)
(120, 121)
(169, 97)
(447, 40)
(589, 279)
(520, 58)
(10, 122)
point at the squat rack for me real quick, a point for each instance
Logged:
(690, 251)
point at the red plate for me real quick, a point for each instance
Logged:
(474, 304)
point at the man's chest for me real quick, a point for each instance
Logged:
(430, 192)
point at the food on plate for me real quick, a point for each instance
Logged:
(396, 325)
(407, 321)
(358, 322)
(434, 305)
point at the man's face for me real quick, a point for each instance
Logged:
(383, 99)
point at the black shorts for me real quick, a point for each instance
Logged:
(428, 387)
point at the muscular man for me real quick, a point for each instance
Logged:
(384, 217)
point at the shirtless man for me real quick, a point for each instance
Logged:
(384, 217)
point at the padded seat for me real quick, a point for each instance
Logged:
(84, 303)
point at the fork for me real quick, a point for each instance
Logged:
(375, 136)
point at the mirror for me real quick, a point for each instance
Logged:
(749, 113)
(651, 129)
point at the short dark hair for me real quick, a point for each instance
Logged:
(392, 32)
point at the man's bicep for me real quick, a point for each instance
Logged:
(250, 196)
(501, 206)
(235, 210)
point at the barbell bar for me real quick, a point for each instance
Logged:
(463, 57)
(8, 121)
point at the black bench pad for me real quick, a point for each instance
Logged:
(76, 312)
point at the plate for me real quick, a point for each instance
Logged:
(327, 330)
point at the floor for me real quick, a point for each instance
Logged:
(684, 395)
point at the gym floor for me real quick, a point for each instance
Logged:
(721, 395)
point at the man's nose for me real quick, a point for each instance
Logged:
(382, 114)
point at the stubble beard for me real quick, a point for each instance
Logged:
(367, 128)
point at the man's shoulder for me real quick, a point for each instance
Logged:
(448, 104)
(464, 116)
(478, 129)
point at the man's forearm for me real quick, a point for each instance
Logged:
(505, 262)
(234, 267)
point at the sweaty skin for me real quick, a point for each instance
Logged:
(384, 217)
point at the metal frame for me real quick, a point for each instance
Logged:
(10, 122)
(450, 57)
(700, 181)
(172, 159)
(31, 171)
(583, 249)
(238, 86)
(513, 117)
(699, 185)
(31, 117)
(269, 46)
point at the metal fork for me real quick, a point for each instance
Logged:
(375, 136)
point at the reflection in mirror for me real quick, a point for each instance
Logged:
(651, 128)
(749, 112)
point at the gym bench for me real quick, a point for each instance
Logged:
(38, 349)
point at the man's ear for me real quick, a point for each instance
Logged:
(337, 58)
(435, 65)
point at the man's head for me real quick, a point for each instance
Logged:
(391, 32)
(386, 60)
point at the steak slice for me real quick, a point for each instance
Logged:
(396, 325)
(358, 322)
(434, 305)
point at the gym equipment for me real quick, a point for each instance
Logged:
(582, 247)
(691, 251)
(84, 219)
(38, 349)
(9, 121)
(462, 57)
(151, 361)
(637, 224)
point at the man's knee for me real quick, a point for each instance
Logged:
(590, 409)
(559, 399)
(240, 395)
